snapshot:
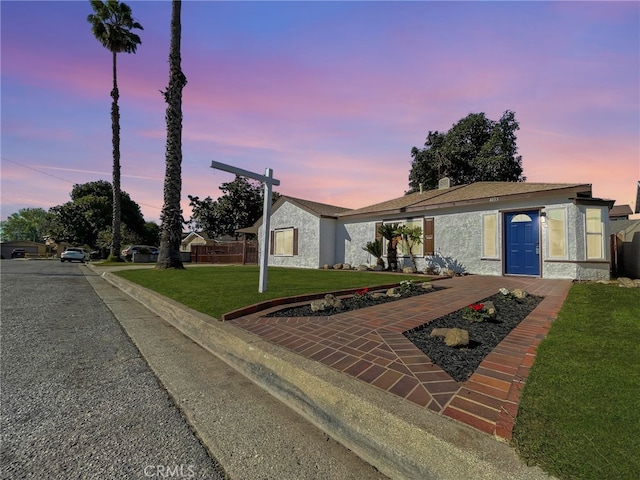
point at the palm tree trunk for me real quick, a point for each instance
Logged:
(171, 233)
(115, 126)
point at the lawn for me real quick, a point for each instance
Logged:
(579, 415)
(221, 289)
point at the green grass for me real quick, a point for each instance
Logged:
(221, 289)
(579, 415)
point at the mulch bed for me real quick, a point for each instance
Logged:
(461, 362)
(348, 304)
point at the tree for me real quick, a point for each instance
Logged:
(171, 216)
(112, 25)
(388, 231)
(239, 206)
(411, 236)
(475, 149)
(28, 224)
(86, 219)
(375, 248)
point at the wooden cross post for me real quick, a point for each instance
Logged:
(268, 181)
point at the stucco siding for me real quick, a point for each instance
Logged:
(308, 225)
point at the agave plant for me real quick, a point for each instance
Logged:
(375, 248)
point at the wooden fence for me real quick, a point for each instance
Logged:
(242, 252)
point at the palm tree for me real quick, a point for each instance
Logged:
(111, 24)
(388, 232)
(375, 248)
(171, 230)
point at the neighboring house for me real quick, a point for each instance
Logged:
(32, 248)
(620, 212)
(194, 238)
(489, 228)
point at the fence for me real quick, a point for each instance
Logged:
(243, 253)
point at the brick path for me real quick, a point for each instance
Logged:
(368, 344)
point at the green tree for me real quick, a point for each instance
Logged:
(112, 25)
(388, 231)
(411, 237)
(475, 149)
(86, 219)
(171, 216)
(27, 224)
(375, 248)
(239, 206)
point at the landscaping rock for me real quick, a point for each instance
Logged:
(362, 268)
(519, 293)
(409, 270)
(427, 286)
(378, 295)
(450, 273)
(346, 266)
(490, 308)
(392, 292)
(439, 332)
(378, 268)
(337, 266)
(626, 282)
(329, 302)
(456, 337)
(327, 266)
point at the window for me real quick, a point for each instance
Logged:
(416, 248)
(490, 235)
(557, 222)
(284, 242)
(595, 233)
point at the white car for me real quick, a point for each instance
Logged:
(74, 253)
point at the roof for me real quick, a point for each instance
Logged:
(315, 208)
(479, 192)
(620, 211)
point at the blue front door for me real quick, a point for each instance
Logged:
(522, 243)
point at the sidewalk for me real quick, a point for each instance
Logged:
(376, 396)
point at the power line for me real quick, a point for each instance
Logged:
(5, 159)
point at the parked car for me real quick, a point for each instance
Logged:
(133, 249)
(74, 253)
(18, 253)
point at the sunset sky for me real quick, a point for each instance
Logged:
(332, 96)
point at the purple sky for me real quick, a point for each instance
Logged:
(331, 96)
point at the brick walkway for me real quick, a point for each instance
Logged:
(368, 344)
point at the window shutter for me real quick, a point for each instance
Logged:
(428, 240)
(377, 233)
(295, 241)
(272, 241)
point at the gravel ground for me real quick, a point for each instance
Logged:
(77, 399)
(461, 362)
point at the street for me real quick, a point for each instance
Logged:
(77, 398)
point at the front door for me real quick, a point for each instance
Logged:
(522, 243)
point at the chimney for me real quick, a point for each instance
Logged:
(421, 188)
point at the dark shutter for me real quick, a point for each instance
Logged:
(377, 233)
(428, 236)
(272, 238)
(295, 241)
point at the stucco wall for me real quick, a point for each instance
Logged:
(308, 225)
(458, 241)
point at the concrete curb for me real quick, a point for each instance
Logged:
(399, 438)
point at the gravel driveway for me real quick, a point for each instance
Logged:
(77, 399)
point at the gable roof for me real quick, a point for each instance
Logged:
(315, 208)
(474, 193)
(322, 210)
(620, 211)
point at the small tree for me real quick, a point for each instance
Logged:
(411, 237)
(375, 248)
(388, 232)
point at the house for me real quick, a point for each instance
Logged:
(620, 212)
(491, 228)
(33, 248)
(194, 238)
